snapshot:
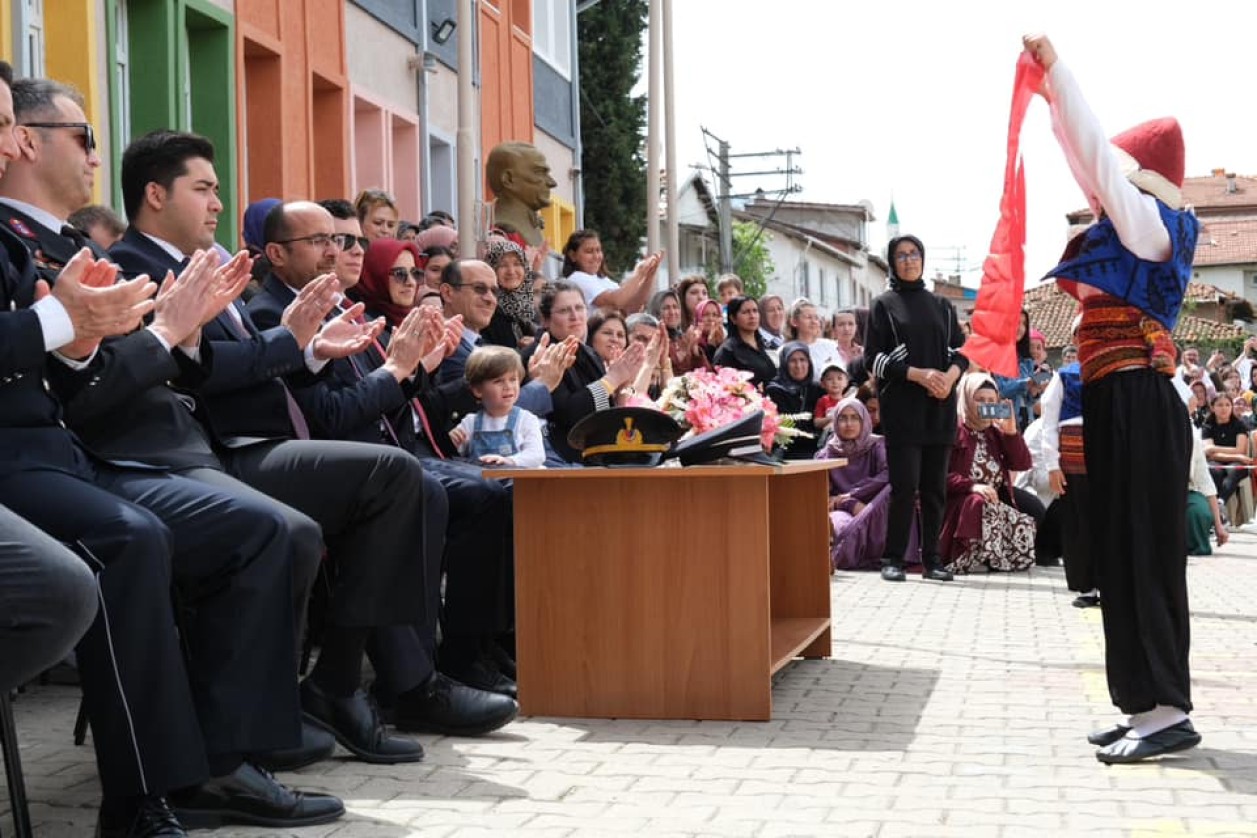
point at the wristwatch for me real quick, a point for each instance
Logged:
(628, 390)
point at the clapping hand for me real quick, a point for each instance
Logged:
(346, 335)
(549, 363)
(304, 315)
(96, 305)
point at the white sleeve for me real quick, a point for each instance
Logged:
(1050, 403)
(469, 422)
(532, 450)
(591, 287)
(1198, 479)
(1096, 168)
(55, 322)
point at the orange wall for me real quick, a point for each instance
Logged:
(292, 91)
(506, 103)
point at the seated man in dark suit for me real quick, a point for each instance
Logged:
(369, 397)
(158, 727)
(369, 499)
(49, 598)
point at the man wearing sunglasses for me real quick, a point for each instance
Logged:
(54, 174)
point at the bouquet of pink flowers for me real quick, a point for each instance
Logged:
(702, 400)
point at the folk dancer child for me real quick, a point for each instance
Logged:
(1130, 270)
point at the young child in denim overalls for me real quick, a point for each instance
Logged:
(500, 433)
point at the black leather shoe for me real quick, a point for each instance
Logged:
(151, 819)
(482, 676)
(316, 745)
(442, 705)
(357, 726)
(1108, 735)
(1087, 601)
(1177, 737)
(250, 795)
(937, 574)
(893, 573)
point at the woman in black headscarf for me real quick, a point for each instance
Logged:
(913, 350)
(794, 392)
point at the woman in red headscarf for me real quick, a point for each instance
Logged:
(391, 277)
(1130, 270)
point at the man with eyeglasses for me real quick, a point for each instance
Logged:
(368, 398)
(164, 729)
(368, 499)
(54, 174)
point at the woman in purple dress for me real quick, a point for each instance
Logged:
(859, 492)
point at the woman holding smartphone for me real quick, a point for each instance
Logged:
(983, 527)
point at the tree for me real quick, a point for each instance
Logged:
(613, 127)
(751, 260)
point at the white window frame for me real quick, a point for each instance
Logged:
(122, 72)
(33, 37)
(552, 22)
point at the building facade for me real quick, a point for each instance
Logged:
(315, 98)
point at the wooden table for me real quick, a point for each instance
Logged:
(668, 593)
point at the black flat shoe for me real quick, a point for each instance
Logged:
(250, 795)
(1177, 737)
(1108, 735)
(354, 722)
(444, 706)
(151, 818)
(316, 745)
(893, 573)
(482, 676)
(1086, 601)
(937, 574)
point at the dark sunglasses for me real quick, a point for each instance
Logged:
(88, 138)
(346, 241)
(403, 274)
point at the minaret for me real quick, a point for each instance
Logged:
(892, 221)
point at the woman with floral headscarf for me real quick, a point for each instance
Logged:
(983, 527)
(514, 322)
(859, 492)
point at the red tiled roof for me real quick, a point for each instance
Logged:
(1052, 310)
(1227, 242)
(1208, 195)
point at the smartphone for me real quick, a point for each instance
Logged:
(1042, 377)
(999, 410)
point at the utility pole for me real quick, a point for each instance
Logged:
(672, 241)
(726, 211)
(654, 100)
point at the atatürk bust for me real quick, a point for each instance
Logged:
(519, 177)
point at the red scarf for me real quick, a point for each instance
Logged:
(997, 312)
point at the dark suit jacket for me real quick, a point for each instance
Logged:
(31, 435)
(348, 401)
(48, 248)
(533, 396)
(242, 400)
(119, 405)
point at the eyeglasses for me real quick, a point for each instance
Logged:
(569, 311)
(87, 138)
(480, 289)
(403, 274)
(346, 241)
(319, 240)
(912, 256)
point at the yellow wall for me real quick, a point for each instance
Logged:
(560, 218)
(6, 30)
(72, 54)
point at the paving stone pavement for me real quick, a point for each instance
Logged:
(947, 709)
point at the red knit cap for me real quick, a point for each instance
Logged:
(1152, 156)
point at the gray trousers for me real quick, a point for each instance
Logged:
(47, 600)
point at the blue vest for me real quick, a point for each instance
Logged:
(1071, 380)
(484, 442)
(1155, 288)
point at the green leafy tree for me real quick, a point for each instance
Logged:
(613, 127)
(751, 260)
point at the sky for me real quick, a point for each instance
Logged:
(910, 100)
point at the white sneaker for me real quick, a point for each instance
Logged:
(1248, 529)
